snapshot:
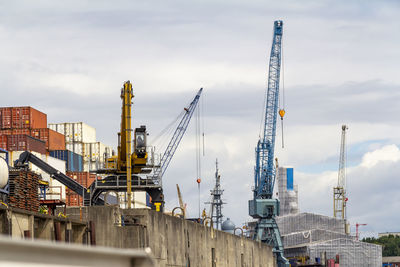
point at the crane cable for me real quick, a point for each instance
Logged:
(198, 153)
(282, 108)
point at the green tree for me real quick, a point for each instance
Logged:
(390, 244)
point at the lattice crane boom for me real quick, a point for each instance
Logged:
(339, 192)
(177, 137)
(263, 207)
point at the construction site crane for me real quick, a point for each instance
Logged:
(177, 137)
(357, 232)
(264, 207)
(181, 204)
(339, 192)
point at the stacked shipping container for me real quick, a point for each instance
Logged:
(18, 123)
(85, 179)
(73, 161)
(22, 118)
(80, 138)
(23, 142)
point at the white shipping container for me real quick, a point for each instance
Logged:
(96, 151)
(92, 166)
(140, 200)
(75, 147)
(75, 131)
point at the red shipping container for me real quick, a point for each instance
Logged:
(3, 142)
(5, 132)
(20, 131)
(23, 142)
(85, 179)
(22, 118)
(5, 118)
(53, 139)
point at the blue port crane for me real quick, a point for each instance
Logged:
(263, 207)
(176, 138)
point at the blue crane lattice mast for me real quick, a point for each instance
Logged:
(263, 207)
(176, 138)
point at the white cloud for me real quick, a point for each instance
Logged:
(387, 153)
(340, 66)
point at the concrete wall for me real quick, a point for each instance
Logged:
(15, 222)
(174, 241)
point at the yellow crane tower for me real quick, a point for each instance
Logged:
(339, 192)
(127, 162)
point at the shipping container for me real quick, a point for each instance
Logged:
(21, 131)
(73, 161)
(53, 139)
(6, 132)
(75, 132)
(21, 118)
(3, 142)
(22, 142)
(75, 147)
(85, 179)
(141, 200)
(96, 152)
(5, 118)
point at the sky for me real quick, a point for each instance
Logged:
(340, 66)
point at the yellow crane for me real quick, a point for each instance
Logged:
(181, 204)
(126, 162)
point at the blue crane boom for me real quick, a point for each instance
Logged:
(263, 207)
(176, 138)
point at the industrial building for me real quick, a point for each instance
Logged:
(313, 238)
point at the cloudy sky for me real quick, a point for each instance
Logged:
(70, 59)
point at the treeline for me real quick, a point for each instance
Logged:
(390, 244)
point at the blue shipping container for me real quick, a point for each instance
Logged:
(289, 178)
(73, 161)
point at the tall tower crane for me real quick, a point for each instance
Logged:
(339, 192)
(263, 207)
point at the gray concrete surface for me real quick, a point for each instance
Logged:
(173, 241)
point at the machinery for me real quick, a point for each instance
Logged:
(126, 171)
(182, 206)
(339, 192)
(177, 137)
(263, 207)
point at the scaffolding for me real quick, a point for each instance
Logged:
(311, 236)
(308, 234)
(309, 221)
(351, 253)
(287, 191)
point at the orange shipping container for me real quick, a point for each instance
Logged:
(85, 179)
(54, 140)
(20, 131)
(22, 118)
